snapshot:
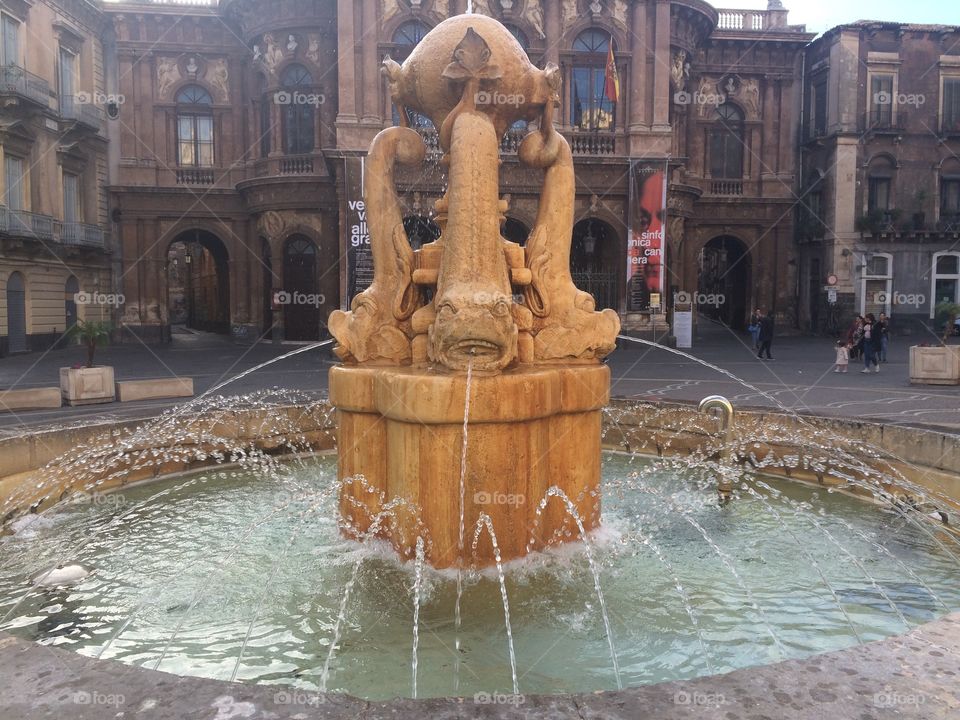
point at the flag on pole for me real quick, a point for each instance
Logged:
(612, 78)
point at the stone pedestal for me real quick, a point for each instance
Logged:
(529, 429)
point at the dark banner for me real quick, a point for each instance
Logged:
(647, 235)
(359, 252)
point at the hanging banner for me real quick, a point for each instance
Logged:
(647, 233)
(359, 253)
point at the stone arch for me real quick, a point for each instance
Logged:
(198, 282)
(726, 274)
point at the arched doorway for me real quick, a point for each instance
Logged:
(16, 313)
(595, 261)
(301, 301)
(70, 290)
(198, 282)
(515, 231)
(420, 230)
(725, 275)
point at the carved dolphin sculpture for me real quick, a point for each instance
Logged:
(377, 328)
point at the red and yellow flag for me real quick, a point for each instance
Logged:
(612, 79)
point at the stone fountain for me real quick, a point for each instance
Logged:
(472, 379)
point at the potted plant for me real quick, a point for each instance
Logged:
(88, 385)
(939, 364)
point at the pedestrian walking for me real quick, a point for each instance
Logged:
(883, 325)
(754, 328)
(766, 334)
(843, 357)
(871, 344)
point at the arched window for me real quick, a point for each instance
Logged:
(592, 106)
(405, 39)
(876, 284)
(726, 142)
(520, 35)
(194, 127)
(299, 110)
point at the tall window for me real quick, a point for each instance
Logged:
(9, 41)
(818, 111)
(881, 101)
(194, 127)
(13, 182)
(590, 108)
(405, 39)
(71, 198)
(68, 82)
(950, 198)
(877, 284)
(299, 112)
(266, 118)
(951, 104)
(726, 142)
(946, 279)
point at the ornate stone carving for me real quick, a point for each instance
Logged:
(570, 14)
(218, 75)
(313, 50)
(388, 8)
(750, 98)
(482, 7)
(168, 75)
(680, 71)
(534, 16)
(621, 12)
(272, 53)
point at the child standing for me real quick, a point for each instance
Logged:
(843, 356)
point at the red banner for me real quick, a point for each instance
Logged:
(647, 241)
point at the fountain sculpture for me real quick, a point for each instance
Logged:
(471, 331)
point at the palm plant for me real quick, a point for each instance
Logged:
(93, 335)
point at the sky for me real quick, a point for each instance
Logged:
(821, 15)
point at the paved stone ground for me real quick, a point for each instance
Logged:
(800, 378)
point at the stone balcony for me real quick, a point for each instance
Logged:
(18, 83)
(26, 225)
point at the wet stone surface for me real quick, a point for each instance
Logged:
(916, 675)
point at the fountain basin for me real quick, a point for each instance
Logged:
(530, 429)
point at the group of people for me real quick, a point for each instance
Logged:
(867, 337)
(761, 328)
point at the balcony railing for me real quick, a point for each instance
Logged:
(742, 20)
(15, 80)
(20, 223)
(593, 143)
(949, 223)
(77, 234)
(880, 119)
(296, 166)
(194, 176)
(71, 108)
(726, 187)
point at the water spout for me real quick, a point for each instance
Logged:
(725, 482)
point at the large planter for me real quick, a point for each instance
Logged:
(87, 386)
(935, 365)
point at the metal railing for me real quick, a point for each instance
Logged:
(71, 108)
(194, 176)
(23, 224)
(14, 80)
(78, 234)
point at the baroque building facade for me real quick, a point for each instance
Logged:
(236, 153)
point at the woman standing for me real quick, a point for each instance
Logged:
(871, 344)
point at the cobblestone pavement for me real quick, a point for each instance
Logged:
(800, 378)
